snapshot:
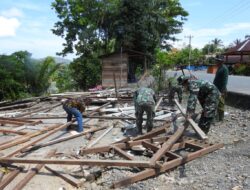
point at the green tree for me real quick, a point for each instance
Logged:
(41, 76)
(11, 77)
(164, 61)
(86, 72)
(90, 25)
(217, 43)
(64, 80)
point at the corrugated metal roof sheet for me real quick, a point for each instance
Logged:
(242, 48)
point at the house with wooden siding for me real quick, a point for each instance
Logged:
(120, 67)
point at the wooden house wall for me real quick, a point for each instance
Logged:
(112, 64)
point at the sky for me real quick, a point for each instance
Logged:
(27, 24)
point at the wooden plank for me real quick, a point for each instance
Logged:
(32, 172)
(17, 119)
(100, 137)
(89, 162)
(191, 121)
(68, 178)
(10, 177)
(122, 153)
(57, 127)
(18, 123)
(167, 146)
(37, 110)
(12, 131)
(151, 146)
(166, 166)
(26, 138)
(122, 145)
(153, 133)
(18, 106)
(65, 139)
(98, 109)
(158, 103)
(116, 92)
(193, 145)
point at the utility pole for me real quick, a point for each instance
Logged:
(190, 49)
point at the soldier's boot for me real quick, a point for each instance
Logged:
(139, 130)
(220, 115)
(149, 129)
(205, 124)
(206, 129)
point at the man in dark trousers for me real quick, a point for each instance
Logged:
(220, 81)
(75, 107)
(144, 100)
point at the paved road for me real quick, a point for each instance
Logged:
(239, 84)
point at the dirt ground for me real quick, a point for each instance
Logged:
(227, 168)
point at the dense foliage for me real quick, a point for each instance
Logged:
(21, 76)
(91, 26)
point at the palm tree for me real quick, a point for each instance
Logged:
(237, 42)
(40, 77)
(217, 42)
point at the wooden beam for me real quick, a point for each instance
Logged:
(27, 137)
(89, 162)
(32, 172)
(10, 177)
(122, 153)
(166, 166)
(191, 121)
(57, 127)
(158, 103)
(18, 123)
(37, 110)
(167, 146)
(100, 137)
(151, 146)
(66, 177)
(64, 139)
(123, 145)
(24, 120)
(12, 131)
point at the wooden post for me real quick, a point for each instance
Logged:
(116, 92)
(191, 121)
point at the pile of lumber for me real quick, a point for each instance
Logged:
(165, 148)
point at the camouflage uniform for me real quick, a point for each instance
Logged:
(208, 96)
(144, 100)
(174, 87)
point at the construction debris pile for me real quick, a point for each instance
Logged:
(34, 139)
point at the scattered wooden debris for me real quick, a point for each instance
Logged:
(161, 149)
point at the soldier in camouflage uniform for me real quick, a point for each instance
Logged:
(144, 100)
(208, 96)
(75, 107)
(174, 87)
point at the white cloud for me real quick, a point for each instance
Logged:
(204, 35)
(219, 32)
(39, 47)
(13, 12)
(8, 26)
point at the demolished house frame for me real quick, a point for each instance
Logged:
(166, 151)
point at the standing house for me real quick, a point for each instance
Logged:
(239, 53)
(120, 67)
